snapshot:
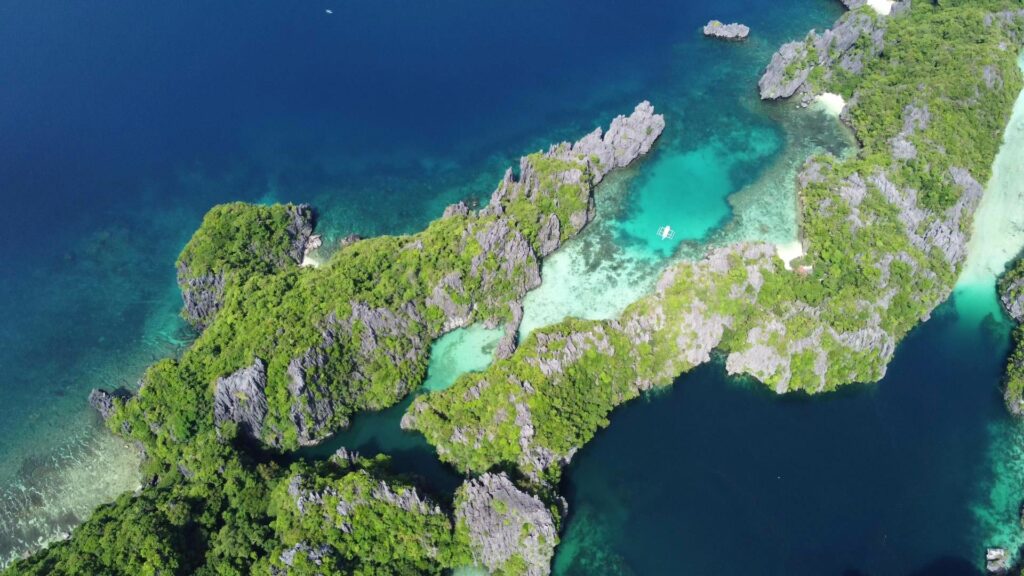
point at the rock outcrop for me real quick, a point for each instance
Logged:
(241, 398)
(326, 520)
(734, 31)
(201, 294)
(203, 278)
(105, 402)
(505, 524)
(855, 38)
(1011, 295)
(997, 561)
(786, 73)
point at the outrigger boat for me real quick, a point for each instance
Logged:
(666, 233)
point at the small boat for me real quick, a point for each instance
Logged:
(666, 232)
(329, 11)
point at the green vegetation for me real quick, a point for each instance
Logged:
(279, 314)
(1011, 294)
(213, 505)
(362, 523)
(235, 242)
(207, 516)
(243, 239)
(355, 334)
(565, 379)
(879, 258)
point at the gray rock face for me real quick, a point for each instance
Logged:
(300, 231)
(732, 31)
(628, 138)
(314, 555)
(202, 291)
(312, 402)
(1008, 20)
(785, 74)
(1011, 295)
(997, 561)
(103, 401)
(504, 523)
(457, 209)
(915, 119)
(202, 296)
(241, 398)
(841, 46)
(316, 407)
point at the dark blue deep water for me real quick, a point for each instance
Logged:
(121, 123)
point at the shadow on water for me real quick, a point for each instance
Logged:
(374, 433)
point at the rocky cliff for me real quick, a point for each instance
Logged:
(1011, 296)
(734, 31)
(804, 67)
(505, 526)
(236, 241)
(885, 235)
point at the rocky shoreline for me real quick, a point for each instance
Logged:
(289, 360)
(734, 31)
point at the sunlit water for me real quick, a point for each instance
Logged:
(119, 137)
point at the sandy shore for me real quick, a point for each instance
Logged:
(998, 233)
(883, 7)
(831, 103)
(788, 252)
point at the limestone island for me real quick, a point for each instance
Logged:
(286, 354)
(732, 31)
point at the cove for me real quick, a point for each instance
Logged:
(874, 479)
(371, 433)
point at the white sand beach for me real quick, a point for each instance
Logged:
(788, 252)
(831, 103)
(998, 233)
(883, 7)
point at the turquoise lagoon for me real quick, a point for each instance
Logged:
(119, 136)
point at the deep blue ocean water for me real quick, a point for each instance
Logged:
(122, 123)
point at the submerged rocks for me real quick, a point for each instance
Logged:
(506, 526)
(241, 398)
(734, 31)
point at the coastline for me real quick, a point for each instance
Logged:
(574, 336)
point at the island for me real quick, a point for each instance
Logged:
(287, 354)
(734, 31)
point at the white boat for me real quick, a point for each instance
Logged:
(666, 232)
(329, 11)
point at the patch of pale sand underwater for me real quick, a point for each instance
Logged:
(998, 228)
